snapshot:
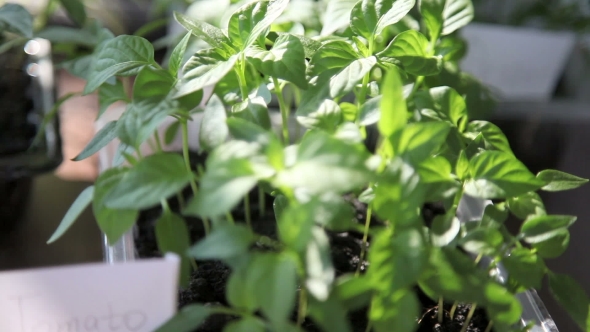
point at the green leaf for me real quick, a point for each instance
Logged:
(331, 211)
(332, 56)
(526, 205)
(276, 291)
(204, 68)
(503, 307)
(253, 110)
(394, 112)
(409, 50)
(214, 130)
(61, 34)
(243, 21)
(431, 11)
(122, 55)
(279, 205)
(172, 235)
(399, 194)
(177, 55)
(457, 14)
(444, 230)
(370, 112)
(75, 10)
(448, 103)
(354, 292)
(555, 246)
(494, 215)
(559, 181)
(498, 174)
(462, 167)
(222, 187)
(327, 116)
(141, 119)
(370, 17)
(273, 11)
(187, 320)
(152, 83)
(435, 173)
(419, 141)
(397, 260)
(171, 132)
(542, 228)
(286, 60)
(318, 265)
(246, 324)
(571, 296)
(323, 163)
(103, 137)
(110, 94)
(482, 241)
(336, 16)
(393, 309)
(224, 242)
(79, 67)
(491, 133)
(15, 18)
(240, 288)
(114, 223)
(151, 180)
(346, 80)
(206, 32)
(525, 267)
(295, 227)
(244, 130)
(79, 205)
(330, 314)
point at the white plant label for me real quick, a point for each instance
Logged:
(129, 297)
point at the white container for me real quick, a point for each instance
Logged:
(522, 64)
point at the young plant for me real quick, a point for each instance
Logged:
(376, 72)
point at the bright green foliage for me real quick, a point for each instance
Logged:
(389, 121)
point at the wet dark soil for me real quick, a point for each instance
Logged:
(207, 284)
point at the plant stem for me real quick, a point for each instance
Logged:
(453, 309)
(441, 309)
(230, 218)
(242, 77)
(187, 163)
(365, 238)
(247, 211)
(416, 86)
(180, 200)
(369, 327)
(365, 83)
(261, 201)
(284, 109)
(489, 327)
(469, 316)
(158, 141)
(301, 312)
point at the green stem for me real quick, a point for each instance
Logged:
(365, 238)
(302, 311)
(453, 309)
(230, 218)
(242, 77)
(369, 327)
(181, 202)
(362, 97)
(247, 211)
(185, 155)
(284, 109)
(158, 141)
(469, 316)
(441, 308)
(187, 163)
(416, 86)
(261, 201)
(489, 327)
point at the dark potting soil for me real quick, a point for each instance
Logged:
(207, 284)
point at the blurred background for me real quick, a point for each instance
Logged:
(535, 55)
